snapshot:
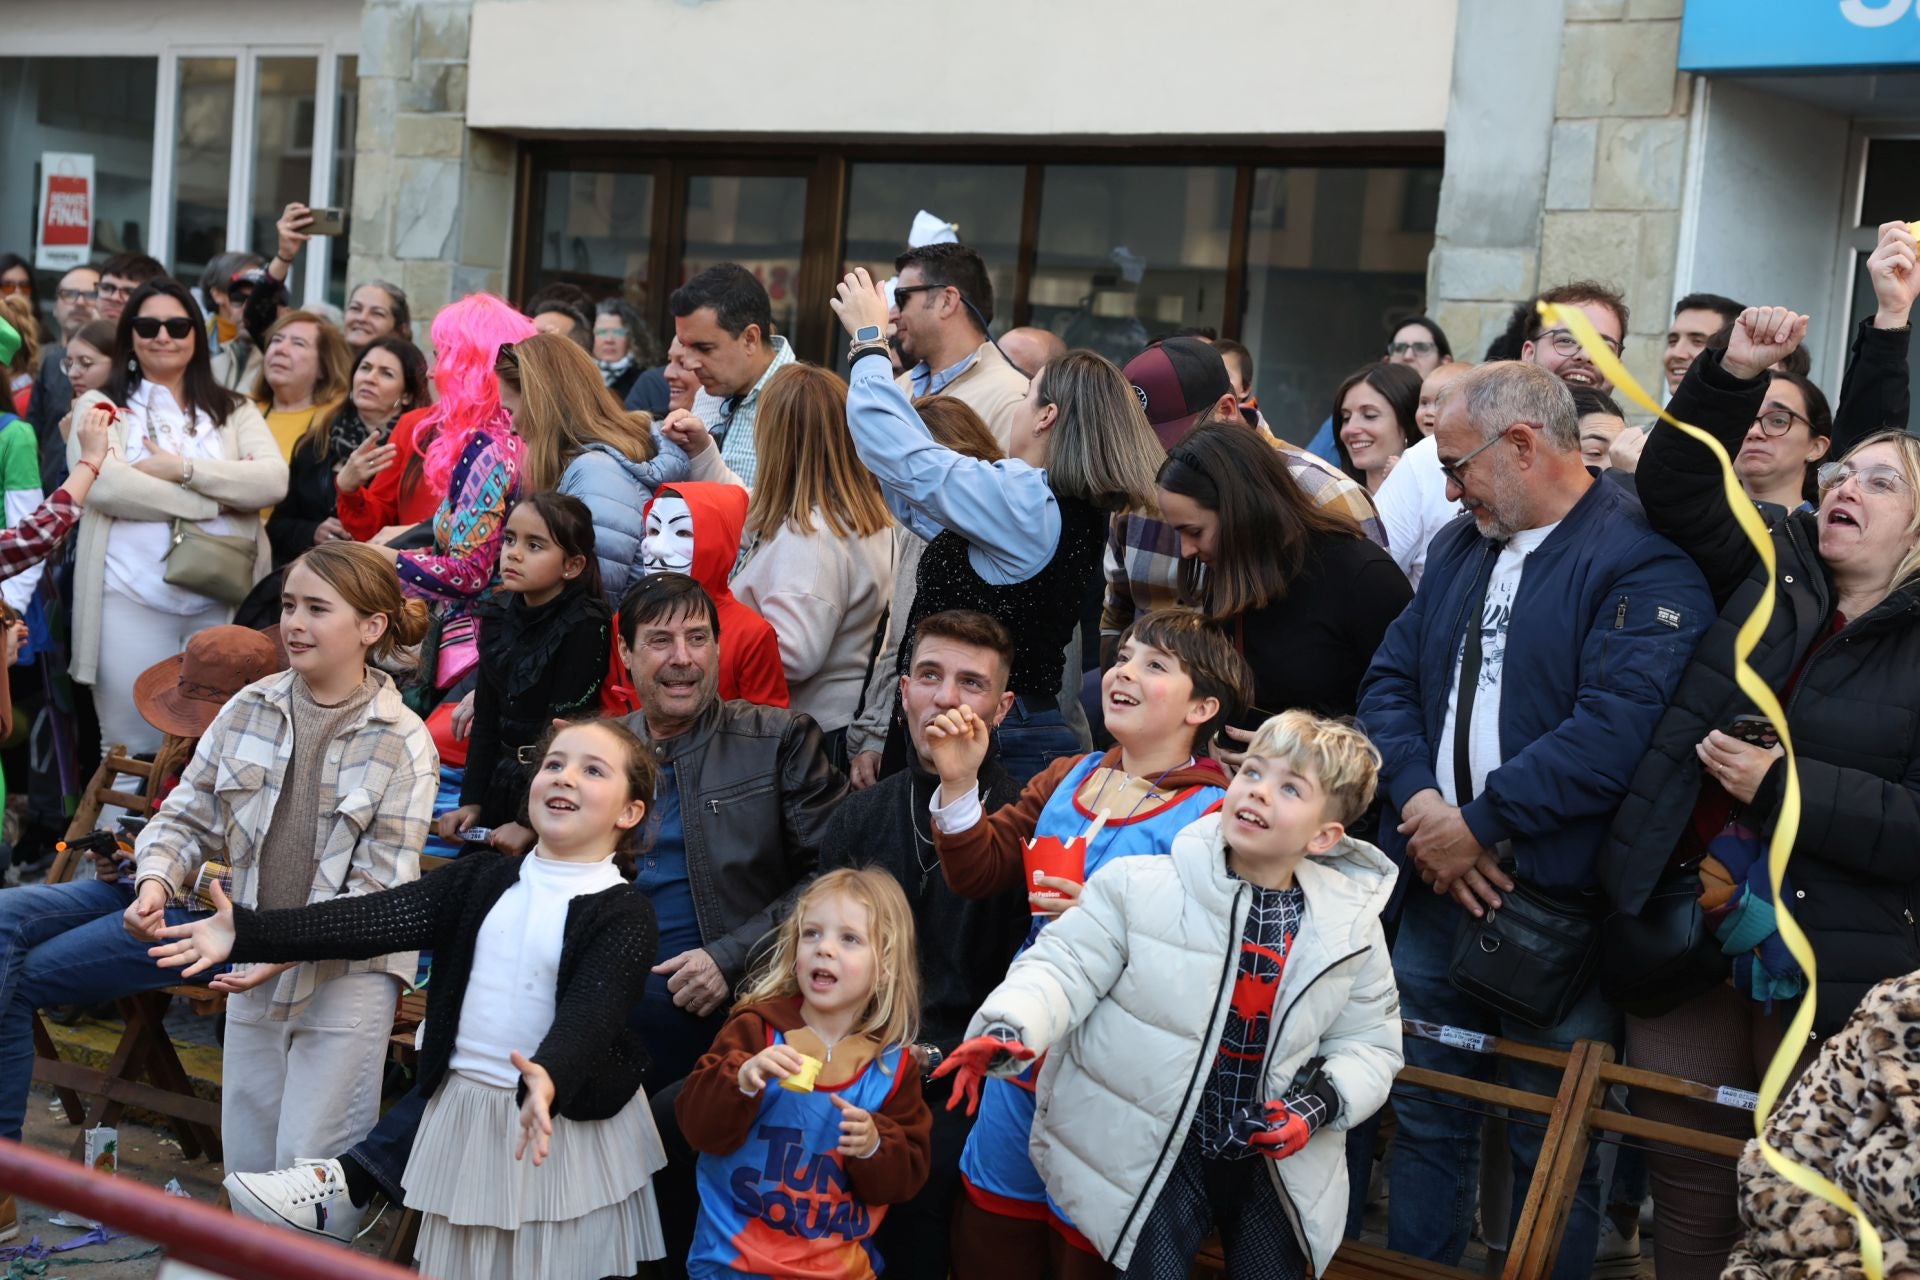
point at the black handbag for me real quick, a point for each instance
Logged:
(1533, 956)
(1665, 955)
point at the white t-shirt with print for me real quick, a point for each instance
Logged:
(1483, 741)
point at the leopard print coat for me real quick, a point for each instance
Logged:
(1854, 1117)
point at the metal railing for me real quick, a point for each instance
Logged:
(190, 1232)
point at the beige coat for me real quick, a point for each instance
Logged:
(251, 476)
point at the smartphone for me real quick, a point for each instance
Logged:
(328, 220)
(1757, 731)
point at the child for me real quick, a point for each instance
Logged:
(793, 1183)
(543, 650)
(312, 784)
(1133, 993)
(1176, 680)
(553, 949)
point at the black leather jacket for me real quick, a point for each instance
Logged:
(756, 790)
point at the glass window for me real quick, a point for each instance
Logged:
(283, 110)
(1333, 257)
(202, 163)
(1891, 193)
(982, 201)
(1130, 254)
(596, 231)
(346, 117)
(102, 107)
(758, 221)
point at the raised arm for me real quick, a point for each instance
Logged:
(1875, 394)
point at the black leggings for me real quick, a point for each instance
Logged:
(1234, 1196)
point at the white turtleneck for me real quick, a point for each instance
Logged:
(516, 965)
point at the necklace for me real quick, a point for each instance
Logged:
(913, 821)
(1153, 787)
(831, 1044)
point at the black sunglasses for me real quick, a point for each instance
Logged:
(149, 327)
(904, 292)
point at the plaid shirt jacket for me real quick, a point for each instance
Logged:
(35, 537)
(1143, 554)
(377, 786)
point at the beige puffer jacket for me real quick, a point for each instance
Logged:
(1130, 992)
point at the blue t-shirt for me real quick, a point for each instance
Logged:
(661, 874)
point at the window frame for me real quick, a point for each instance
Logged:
(828, 170)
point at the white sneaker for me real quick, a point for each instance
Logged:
(310, 1197)
(1617, 1256)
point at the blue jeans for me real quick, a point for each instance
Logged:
(1030, 740)
(65, 944)
(1436, 1155)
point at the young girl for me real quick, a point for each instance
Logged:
(554, 948)
(792, 1183)
(543, 651)
(313, 784)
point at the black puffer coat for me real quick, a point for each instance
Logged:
(1855, 714)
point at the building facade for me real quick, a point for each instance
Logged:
(1294, 175)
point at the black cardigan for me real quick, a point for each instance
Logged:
(611, 939)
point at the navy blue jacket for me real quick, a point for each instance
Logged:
(1605, 619)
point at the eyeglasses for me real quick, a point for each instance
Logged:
(1411, 348)
(109, 290)
(621, 332)
(1452, 470)
(1879, 480)
(902, 293)
(1779, 420)
(1564, 343)
(14, 288)
(149, 327)
(77, 295)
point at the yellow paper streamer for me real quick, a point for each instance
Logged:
(1787, 828)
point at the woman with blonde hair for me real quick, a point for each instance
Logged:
(305, 376)
(580, 441)
(817, 555)
(1841, 651)
(1022, 539)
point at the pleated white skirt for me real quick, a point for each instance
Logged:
(586, 1213)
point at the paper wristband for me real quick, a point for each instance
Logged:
(1780, 848)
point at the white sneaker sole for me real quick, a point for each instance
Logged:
(244, 1201)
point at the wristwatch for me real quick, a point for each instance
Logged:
(867, 338)
(869, 333)
(933, 1058)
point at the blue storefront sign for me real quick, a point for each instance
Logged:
(1799, 35)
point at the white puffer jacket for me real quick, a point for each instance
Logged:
(1118, 989)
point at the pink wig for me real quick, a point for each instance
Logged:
(467, 337)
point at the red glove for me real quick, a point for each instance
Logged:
(970, 1063)
(1285, 1132)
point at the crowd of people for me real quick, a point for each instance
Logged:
(989, 813)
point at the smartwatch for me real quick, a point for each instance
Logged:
(868, 333)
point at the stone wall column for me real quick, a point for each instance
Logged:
(433, 200)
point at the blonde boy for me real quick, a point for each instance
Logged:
(1231, 1002)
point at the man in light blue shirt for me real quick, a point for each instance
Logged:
(724, 322)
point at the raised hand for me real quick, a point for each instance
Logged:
(957, 740)
(859, 302)
(775, 1062)
(199, 944)
(1894, 268)
(368, 459)
(976, 1059)
(1762, 337)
